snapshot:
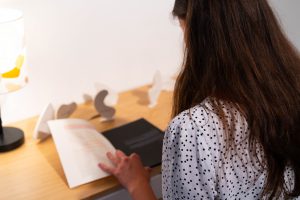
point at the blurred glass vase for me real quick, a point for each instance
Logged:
(13, 74)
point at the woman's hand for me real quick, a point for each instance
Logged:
(129, 170)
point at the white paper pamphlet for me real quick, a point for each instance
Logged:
(81, 148)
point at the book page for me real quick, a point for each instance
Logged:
(80, 148)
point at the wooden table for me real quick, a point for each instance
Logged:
(33, 171)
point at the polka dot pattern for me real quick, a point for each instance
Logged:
(197, 163)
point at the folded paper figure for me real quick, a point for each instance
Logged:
(112, 98)
(42, 130)
(65, 111)
(159, 84)
(106, 112)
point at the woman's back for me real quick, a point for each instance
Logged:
(197, 163)
(237, 53)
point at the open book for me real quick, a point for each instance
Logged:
(81, 147)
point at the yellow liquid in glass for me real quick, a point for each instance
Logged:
(15, 72)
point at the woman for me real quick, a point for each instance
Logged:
(236, 102)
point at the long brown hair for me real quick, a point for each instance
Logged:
(236, 52)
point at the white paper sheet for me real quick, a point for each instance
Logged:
(80, 148)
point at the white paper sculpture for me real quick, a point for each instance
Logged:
(112, 96)
(65, 111)
(106, 112)
(103, 102)
(155, 90)
(42, 130)
(159, 84)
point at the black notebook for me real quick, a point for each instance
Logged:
(139, 137)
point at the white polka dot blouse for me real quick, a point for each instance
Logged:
(197, 163)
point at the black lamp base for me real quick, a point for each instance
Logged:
(11, 138)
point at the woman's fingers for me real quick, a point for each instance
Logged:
(121, 162)
(114, 159)
(106, 168)
(135, 157)
(120, 154)
(129, 170)
(122, 158)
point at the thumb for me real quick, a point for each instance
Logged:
(148, 169)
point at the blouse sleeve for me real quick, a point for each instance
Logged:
(187, 167)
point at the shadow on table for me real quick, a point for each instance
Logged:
(142, 95)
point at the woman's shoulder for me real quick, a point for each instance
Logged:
(190, 122)
(204, 119)
(202, 114)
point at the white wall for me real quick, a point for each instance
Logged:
(73, 43)
(288, 12)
